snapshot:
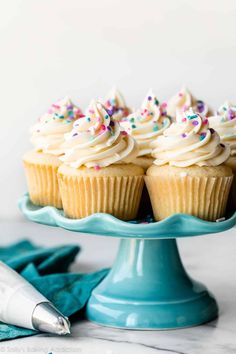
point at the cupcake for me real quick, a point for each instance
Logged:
(116, 106)
(182, 101)
(224, 122)
(145, 125)
(188, 174)
(41, 164)
(98, 174)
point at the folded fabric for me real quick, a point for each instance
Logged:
(46, 269)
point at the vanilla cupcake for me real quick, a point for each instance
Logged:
(182, 101)
(188, 174)
(145, 125)
(224, 122)
(41, 164)
(98, 174)
(116, 106)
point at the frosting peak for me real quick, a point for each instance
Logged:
(98, 141)
(224, 122)
(47, 135)
(116, 106)
(147, 123)
(189, 142)
(183, 100)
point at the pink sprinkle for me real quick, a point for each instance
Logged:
(55, 106)
(81, 116)
(50, 111)
(91, 111)
(164, 105)
(180, 94)
(184, 120)
(97, 167)
(145, 110)
(103, 127)
(205, 122)
(124, 133)
(185, 108)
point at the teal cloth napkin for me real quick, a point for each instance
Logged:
(46, 269)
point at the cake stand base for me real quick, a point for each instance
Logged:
(148, 288)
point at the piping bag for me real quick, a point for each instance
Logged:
(24, 306)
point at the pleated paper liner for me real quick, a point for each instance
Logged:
(204, 197)
(86, 195)
(43, 184)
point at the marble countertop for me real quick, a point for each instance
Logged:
(210, 259)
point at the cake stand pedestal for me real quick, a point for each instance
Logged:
(147, 287)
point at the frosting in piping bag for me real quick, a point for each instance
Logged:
(188, 142)
(98, 141)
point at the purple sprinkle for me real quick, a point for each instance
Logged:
(111, 111)
(200, 106)
(75, 134)
(222, 145)
(183, 135)
(195, 122)
(112, 123)
(70, 106)
(203, 134)
(212, 130)
(149, 98)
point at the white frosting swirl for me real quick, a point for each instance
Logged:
(98, 141)
(116, 106)
(47, 135)
(190, 142)
(224, 122)
(147, 123)
(182, 101)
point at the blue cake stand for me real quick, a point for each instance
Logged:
(147, 287)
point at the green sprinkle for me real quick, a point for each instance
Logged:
(155, 129)
(201, 137)
(192, 117)
(70, 113)
(224, 108)
(88, 119)
(131, 120)
(133, 126)
(61, 117)
(106, 116)
(156, 102)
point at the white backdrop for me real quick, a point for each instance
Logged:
(50, 48)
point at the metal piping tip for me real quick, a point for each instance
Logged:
(65, 325)
(46, 318)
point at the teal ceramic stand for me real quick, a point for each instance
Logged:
(147, 287)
